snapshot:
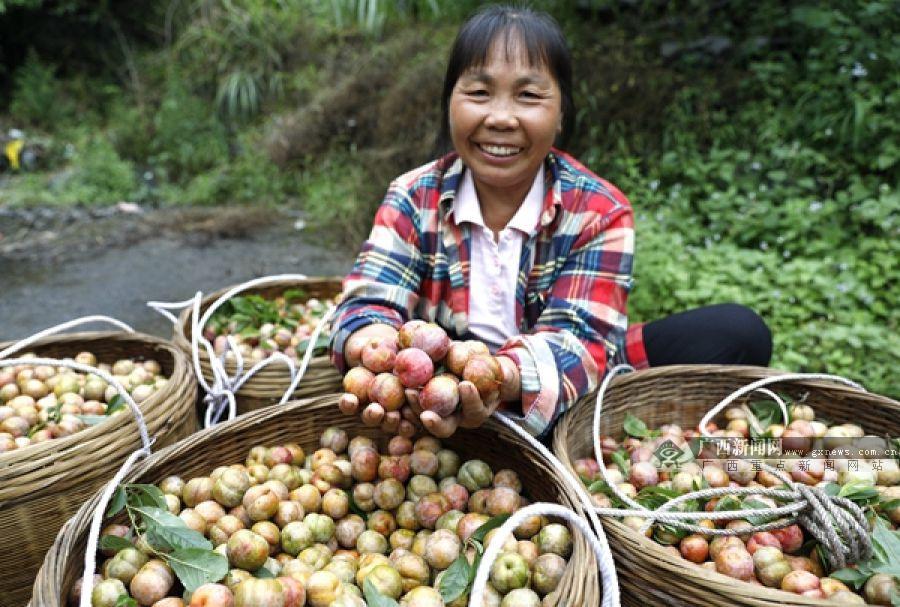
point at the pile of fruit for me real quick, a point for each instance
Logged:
(422, 358)
(812, 452)
(261, 327)
(41, 403)
(345, 526)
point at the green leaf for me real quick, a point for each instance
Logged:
(114, 542)
(146, 495)
(294, 295)
(490, 525)
(598, 487)
(729, 502)
(264, 574)
(620, 459)
(455, 581)
(126, 601)
(653, 497)
(117, 402)
(851, 577)
(157, 517)
(197, 566)
(859, 492)
(635, 427)
(92, 420)
(117, 502)
(176, 538)
(374, 598)
(887, 548)
(757, 505)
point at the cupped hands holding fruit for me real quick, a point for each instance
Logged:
(401, 380)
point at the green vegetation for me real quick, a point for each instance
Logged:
(757, 141)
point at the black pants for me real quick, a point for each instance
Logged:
(726, 334)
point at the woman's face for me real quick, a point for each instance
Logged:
(504, 117)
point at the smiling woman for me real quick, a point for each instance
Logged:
(510, 241)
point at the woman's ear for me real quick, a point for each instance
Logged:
(559, 124)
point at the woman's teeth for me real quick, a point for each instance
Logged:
(500, 150)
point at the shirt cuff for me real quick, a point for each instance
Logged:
(635, 354)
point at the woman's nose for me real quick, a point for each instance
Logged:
(501, 115)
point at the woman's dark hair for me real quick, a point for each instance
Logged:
(540, 35)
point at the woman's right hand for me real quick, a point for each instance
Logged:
(373, 414)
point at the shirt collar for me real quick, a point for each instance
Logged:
(459, 197)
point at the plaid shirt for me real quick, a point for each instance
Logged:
(574, 278)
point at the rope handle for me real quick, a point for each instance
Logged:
(837, 523)
(506, 529)
(605, 560)
(24, 343)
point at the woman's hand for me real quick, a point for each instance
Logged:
(373, 414)
(473, 410)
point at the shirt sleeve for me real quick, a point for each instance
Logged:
(383, 284)
(582, 325)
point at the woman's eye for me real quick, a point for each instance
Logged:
(478, 93)
(530, 94)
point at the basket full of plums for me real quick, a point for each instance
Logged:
(301, 505)
(278, 317)
(837, 438)
(64, 432)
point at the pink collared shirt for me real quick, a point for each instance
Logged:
(494, 266)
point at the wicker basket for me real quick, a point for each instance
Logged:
(44, 484)
(302, 422)
(682, 394)
(268, 385)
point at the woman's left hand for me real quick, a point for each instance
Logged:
(473, 411)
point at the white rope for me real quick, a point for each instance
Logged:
(604, 555)
(163, 307)
(599, 546)
(87, 580)
(24, 343)
(307, 356)
(817, 511)
(760, 383)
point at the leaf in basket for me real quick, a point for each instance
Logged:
(852, 577)
(114, 542)
(264, 574)
(620, 459)
(249, 331)
(887, 548)
(455, 581)
(490, 525)
(729, 502)
(599, 487)
(653, 497)
(292, 295)
(157, 517)
(669, 535)
(767, 412)
(859, 492)
(117, 502)
(197, 566)
(756, 504)
(176, 538)
(117, 402)
(374, 598)
(635, 427)
(92, 420)
(126, 601)
(889, 505)
(146, 495)
(321, 346)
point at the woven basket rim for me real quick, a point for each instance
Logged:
(645, 548)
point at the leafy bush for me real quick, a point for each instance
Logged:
(37, 97)
(187, 137)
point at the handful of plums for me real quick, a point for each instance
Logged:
(417, 375)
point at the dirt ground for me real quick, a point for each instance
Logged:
(58, 264)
